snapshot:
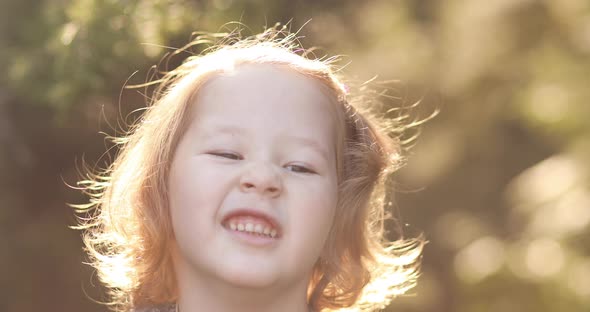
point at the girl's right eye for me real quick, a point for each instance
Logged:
(228, 155)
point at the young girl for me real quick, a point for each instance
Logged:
(254, 182)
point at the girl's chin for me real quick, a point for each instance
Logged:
(249, 278)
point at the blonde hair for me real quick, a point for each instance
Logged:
(127, 229)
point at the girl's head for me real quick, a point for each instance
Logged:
(252, 136)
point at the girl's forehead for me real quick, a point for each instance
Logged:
(252, 85)
(281, 99)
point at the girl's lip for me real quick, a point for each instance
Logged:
(249, 212)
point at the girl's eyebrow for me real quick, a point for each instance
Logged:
(213, 131)
(232, 130)
(313, 144)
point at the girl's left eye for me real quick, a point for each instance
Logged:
(300, 169)
(228, 155)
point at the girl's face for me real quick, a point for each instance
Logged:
(253, 185)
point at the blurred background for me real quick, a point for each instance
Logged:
(499, 181)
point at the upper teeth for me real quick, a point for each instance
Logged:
(253, 228)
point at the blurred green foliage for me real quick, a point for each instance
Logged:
(503, 171)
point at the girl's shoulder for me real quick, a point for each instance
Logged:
(159, 308)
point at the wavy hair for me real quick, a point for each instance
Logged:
(126, 225)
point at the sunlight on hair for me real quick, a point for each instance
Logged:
(378, 293)
(116, 273)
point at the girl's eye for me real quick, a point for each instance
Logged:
(227, 155)
(300, 169)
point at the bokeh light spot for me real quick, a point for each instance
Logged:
(579, 278)
(68, 33)
(544, 257)
(549, 103)
(479, 259)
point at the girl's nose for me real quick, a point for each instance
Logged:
(261, 178)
